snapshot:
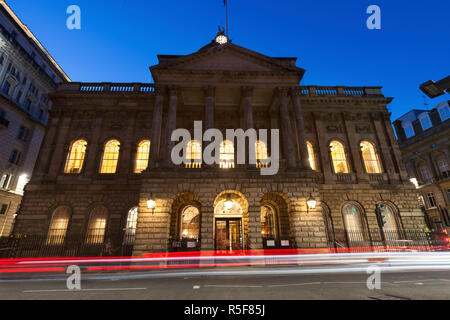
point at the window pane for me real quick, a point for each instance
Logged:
(226, 154)
(194, 154)
(143, 153)
(110, 157)
(370, 157)
(97, 225)
(58, 225)
(190, 223)
(75, 157)
(338, 157)
(268, 222)
(312, 159)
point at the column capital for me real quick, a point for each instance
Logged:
(173, 90)
(295, 91)
(283, 91)
(159, 90)
(247, 91)
(210, 91)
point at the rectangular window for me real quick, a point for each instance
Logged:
(27, 104)
(444, 113)
(4, 182)
(425, 122)
(40, 114)
(23, 133)
(6, 88)
(431, 200)
(3, 208)
(448, 194)
(14, 157)
(19, 95)
(409, 131)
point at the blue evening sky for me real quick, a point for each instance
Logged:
(119, 39)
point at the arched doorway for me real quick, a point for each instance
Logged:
(229, 224)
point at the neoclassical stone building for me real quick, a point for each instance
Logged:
(105, 172)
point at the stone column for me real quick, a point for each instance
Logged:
(47, 148)
(247, 93)
(156, 127)
(286, 128)
(295, 93)
(94, 147)
(171, 122)
(254, 229)
(209, 107)
(207, 226)
(59, 153)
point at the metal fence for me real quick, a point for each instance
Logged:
(57, 244)
(94, 243)
(392, 240)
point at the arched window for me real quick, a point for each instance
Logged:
(97, 225)
(353, 226)
(130, 228)
(390, 227)
(58, 225)
(142, 155)
(370, 157)
(75, 157)
(226, 154)
(194, 154)
(338, 157)
(261, 154)
(424, 173)
(110, 157)
(268, 222)
(311, 157)
(190, 223)
(443, 166)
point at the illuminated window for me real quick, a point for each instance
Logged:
(190, 223)
(110, 157)
(97, 225)
(75, 157)
(338, 157)
(58, 225)
(261, 154)
(227, 154)
(352, 218)
(268, 229)
(390, 227)
(130, 228)
(370, 157)
(194, 154)
(142, 155)
(311, 157)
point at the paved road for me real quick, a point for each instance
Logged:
(234, 284)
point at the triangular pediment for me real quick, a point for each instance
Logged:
(228, 58)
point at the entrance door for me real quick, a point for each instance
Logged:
(228, 234)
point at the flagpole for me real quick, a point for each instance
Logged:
(226, 7)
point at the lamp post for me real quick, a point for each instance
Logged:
(310, 203)
(151, 204)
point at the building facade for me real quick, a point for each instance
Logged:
(424, 140)
(105, 169)
(27, 73)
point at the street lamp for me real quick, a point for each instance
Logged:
(151, 204)
(311, 203)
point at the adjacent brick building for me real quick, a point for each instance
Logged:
(105, 171)
(27, 73)
(424, 139)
